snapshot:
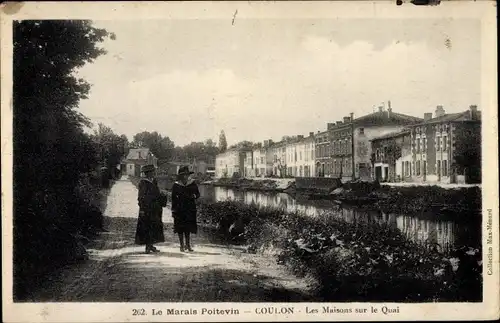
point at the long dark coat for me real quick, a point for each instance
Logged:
(184, 207)
(151, 203)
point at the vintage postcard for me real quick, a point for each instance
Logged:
(249, 161)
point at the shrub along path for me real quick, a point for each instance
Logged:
(118, 270)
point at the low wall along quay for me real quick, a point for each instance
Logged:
(319, 184)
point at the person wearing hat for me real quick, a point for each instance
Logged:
(151, 202)
(184, 195)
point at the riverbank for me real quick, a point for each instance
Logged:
(256, 184)
(414, 199)
(350, 262)
(465, 201)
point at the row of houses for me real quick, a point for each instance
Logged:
(138, 157)
(383, 145)
(445, 148)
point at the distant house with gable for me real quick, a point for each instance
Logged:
(138, 157)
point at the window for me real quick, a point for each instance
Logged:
(418, 145)
(438, 143)
(424, 144)
(445, 142)
(407, 170)
(361, 131)
(418, 167)
(262, 160)
(445, 168)
(439, 167)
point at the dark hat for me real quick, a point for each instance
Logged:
(184, 170)
(148, 168)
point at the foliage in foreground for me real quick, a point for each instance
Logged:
(351, 262)
(56, 177)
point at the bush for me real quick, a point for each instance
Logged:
(350, 262)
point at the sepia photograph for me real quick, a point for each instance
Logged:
(249, 155)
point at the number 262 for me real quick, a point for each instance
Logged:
(139, 311)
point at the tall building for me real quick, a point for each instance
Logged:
(323, 153)
(278, 151)
(444, 148)
(230, 163)
(300, 156)
(341, 143)
(373, 125)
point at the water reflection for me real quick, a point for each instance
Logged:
(430, 230)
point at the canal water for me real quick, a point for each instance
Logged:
(428, 229)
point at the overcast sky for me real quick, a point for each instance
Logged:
(260, 79)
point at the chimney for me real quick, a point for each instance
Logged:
(347, 119)
(473, 112)
(311, 134)
(339, 123)
(427, 116)
(380, 109)
(330, 126)
(439, 111)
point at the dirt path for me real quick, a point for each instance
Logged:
(119, 271)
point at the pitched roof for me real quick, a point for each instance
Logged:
(385, 117)
(452, 117)
(392, 134)
(134, 153)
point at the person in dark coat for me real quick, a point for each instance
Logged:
(151, 202)
(184, 195)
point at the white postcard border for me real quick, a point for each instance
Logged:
(111, 312)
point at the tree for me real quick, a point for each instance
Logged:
(204, 151)
(222, 142)
(392, 153)
(51, 150)
(112, 147)
(245, 144)
(161, 147)
(467, 151)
